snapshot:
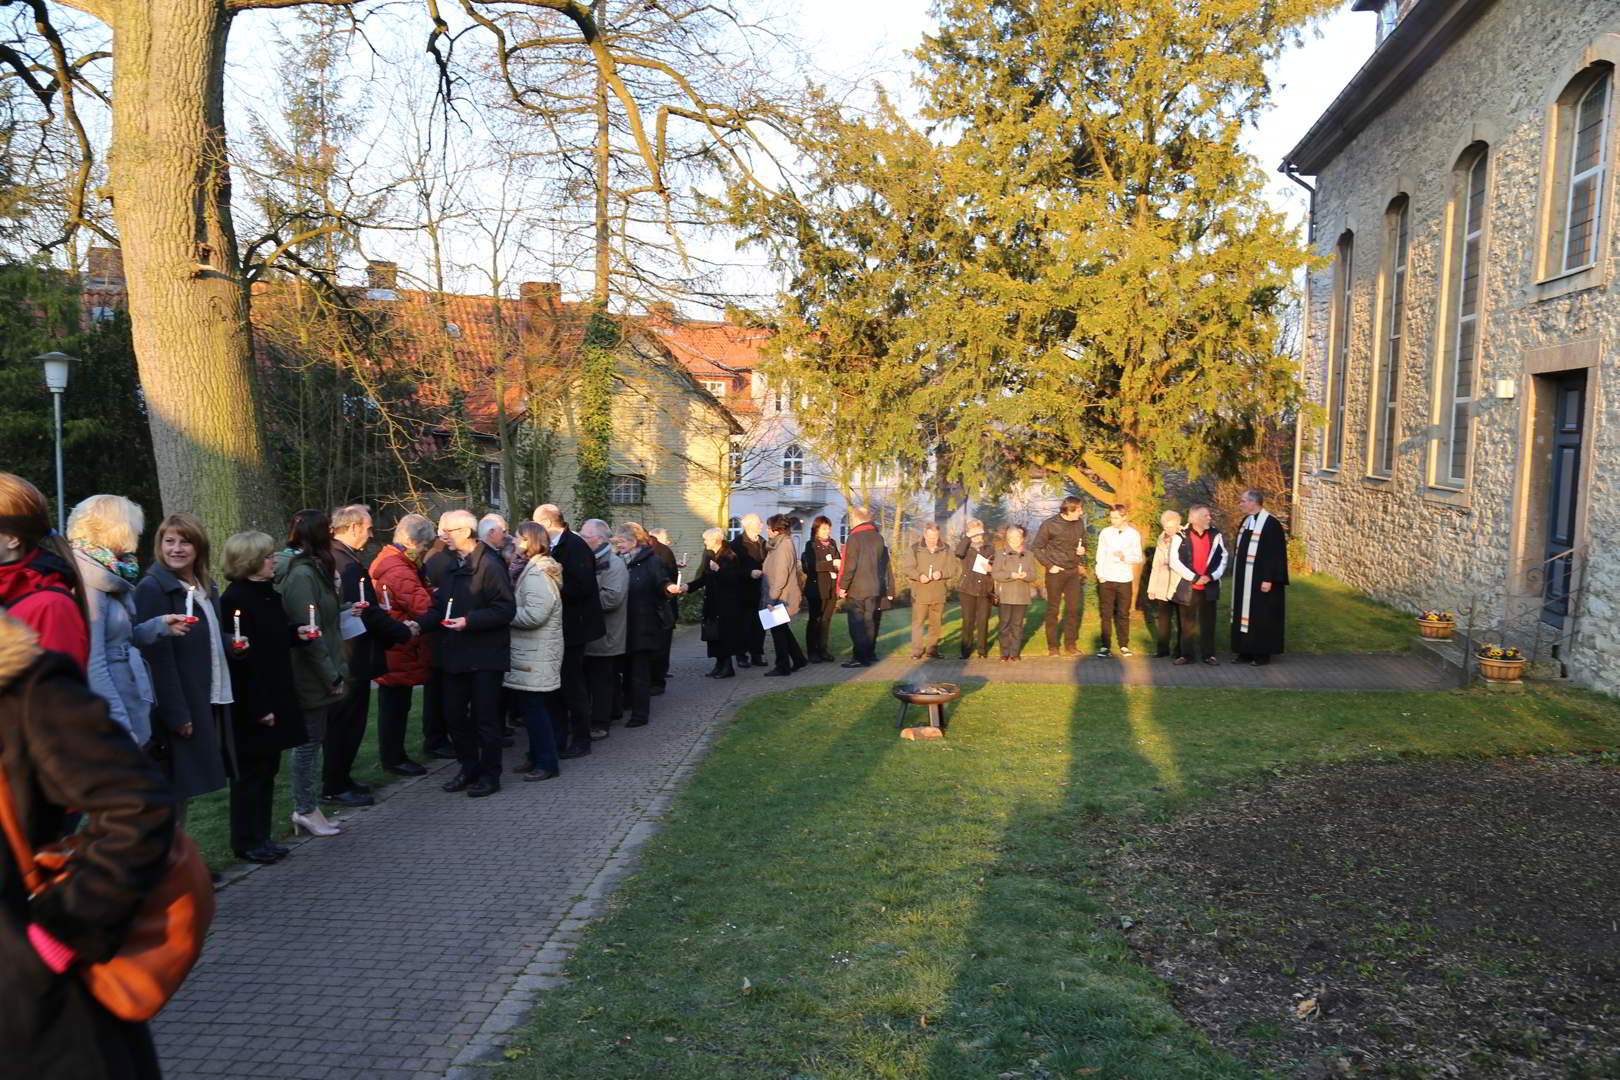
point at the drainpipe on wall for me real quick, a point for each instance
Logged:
(1295, 517)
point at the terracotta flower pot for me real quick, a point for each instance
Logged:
(1439, 629)
(1501, 670)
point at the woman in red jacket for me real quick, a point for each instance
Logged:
(397, 569)
(39, 583)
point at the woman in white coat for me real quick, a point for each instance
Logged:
(104, 531)
(537, 647)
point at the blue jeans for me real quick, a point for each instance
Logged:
(531, 706)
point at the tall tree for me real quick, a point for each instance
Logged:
(1125, 276)
(169, 178)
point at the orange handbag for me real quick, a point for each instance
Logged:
(166, 936)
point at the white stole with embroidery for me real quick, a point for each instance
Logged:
(1250, 551)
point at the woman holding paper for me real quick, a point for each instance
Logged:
(976, 588)
(267, 717)
(820, 560)
(191, 682)
(780, 593)
(306, 578)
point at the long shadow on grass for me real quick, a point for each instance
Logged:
(1046, 986)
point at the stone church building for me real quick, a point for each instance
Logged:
(1463, 331)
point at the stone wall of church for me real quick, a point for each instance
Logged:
(1403, 539)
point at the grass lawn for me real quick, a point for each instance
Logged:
(827, 902)
(208, 819)
(1324, 616)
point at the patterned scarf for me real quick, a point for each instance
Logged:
(124, 566)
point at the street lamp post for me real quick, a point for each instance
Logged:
(56, 379)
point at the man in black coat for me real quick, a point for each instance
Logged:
(436, 571)
(367, 634)
(582, 624)
(1060, 546)
(751, 551)
(866, 584)
(472, 615)
(1259, 583)
(658, 540)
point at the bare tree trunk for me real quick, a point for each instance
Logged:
(604, 158)
(187, 301)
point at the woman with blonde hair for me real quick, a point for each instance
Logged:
(266, 714)
(38, 583)
(104, 531)
(191, 680)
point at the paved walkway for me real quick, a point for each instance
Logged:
(410, 945)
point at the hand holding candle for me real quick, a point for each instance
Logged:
(190, 615)
(310, 630)
(449, 606)
(362, 603)
(386, 606)
(239, 643)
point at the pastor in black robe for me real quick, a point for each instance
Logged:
(1261, 555)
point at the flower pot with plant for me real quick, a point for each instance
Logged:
(1500, 663)
(1436, 624)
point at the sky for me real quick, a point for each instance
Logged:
(851, 40)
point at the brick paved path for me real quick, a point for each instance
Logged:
(408, 946)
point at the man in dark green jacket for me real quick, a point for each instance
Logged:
(929, 570)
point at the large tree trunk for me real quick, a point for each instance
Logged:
(187, 301)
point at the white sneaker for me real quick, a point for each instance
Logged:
(314, 823)
(1123, 651)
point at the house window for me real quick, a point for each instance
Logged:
(717, 387)
(1583, 153)
(792, 466)
(1338, 354)
(1461, 342)
(734, 528)
(843, 529)
(781, 401)
(1388, 15)
(627, 490)
(734, 463)
(101, 316)
(1388, 378)
(492, 482)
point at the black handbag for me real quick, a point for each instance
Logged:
(711, 629)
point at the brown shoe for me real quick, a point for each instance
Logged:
(1180, 660)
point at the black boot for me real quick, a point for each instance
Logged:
(726, 671)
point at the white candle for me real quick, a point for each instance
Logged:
(385, 604)
(680, 578)
(188, 601)
(312, 615)
(448, 606)
(362, 590)
(239, 623)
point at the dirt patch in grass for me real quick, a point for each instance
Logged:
(1395, 919)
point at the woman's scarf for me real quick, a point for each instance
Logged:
(124, 565)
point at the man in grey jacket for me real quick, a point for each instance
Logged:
(604, 655)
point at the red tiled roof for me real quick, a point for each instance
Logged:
(712, 350)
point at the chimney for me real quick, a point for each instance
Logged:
(382, 274)
(106, 265)
(662, 310)
(541, 295)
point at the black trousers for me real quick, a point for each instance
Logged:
(393, 715)
(1011, 628)
(345, 731)
(602, 675)
(788, 653)
(638, 683)
(253, 799)
(754, 635)
(864, 618)
(975, 624)
(1114, 605)
(472, 707)
(1065, 589)
(435, 735)
(1164, 619)
(575, 714)
(661, 659)
(820, 624)
(1198, 626)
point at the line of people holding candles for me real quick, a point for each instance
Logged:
(561, 633)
